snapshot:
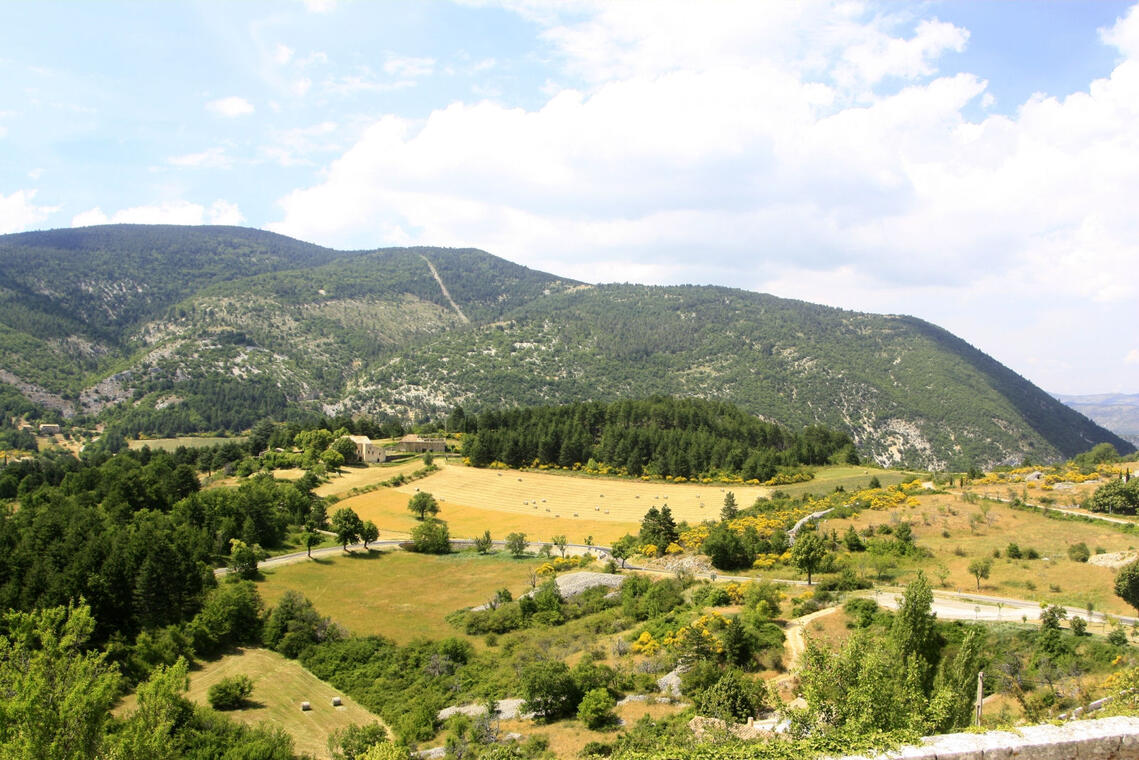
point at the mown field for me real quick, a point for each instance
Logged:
(279, 687)
(942, 524)
(544, 504)
(398, 594)
(189, 441)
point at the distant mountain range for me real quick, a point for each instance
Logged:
(1118, 412)
(167, 329)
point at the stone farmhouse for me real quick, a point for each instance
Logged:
(368, 451)
(415, 444)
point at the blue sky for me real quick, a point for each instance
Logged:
(971, 163)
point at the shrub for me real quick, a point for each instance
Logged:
(596, 709)
(1013, 552)
(231, 693)
(1079, 552)
(1079, 626)
(1118, 637)
(1031, 553)
(431, 537)
(861, 610)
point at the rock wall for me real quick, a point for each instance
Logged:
(1103, 739)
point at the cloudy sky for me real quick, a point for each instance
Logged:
(975, 164)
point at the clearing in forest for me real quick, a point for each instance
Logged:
(398, 594)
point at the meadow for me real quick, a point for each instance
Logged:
(189, 441)
(279, 687)
(397, 594)
(544, 504)
(957, 532)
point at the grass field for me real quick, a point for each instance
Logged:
(279, 687)
(1053, 579)
(398, 594)
(189, 441)
(361, 477)
(544, 504)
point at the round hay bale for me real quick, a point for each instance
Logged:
(336, 702)
(305, 707)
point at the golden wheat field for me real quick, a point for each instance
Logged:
(543, 504)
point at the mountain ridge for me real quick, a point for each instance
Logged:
(143, 325)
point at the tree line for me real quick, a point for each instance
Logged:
(660, 436)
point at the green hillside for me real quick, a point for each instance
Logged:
(169, 330)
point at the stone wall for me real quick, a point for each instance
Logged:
(1103, 739)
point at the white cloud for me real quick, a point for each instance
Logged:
(19, 213)
(401, 66)
(769, 143)
(170, 212)
(282, 54)
(224, 212)
(89, 218)
(319, 6)
(35, 174)
(1124, 34)
(211, 158)
(230, 107)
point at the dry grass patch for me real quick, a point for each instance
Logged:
(569, 737)
(1053, 579)
(279, 687)
(361, 476)
(189, 441)
(397, 594)
(543, 504)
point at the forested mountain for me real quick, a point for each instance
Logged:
(164, 329)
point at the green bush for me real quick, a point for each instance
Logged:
(431, 537)
(1079, 552)
(596, 709)
(230, 693)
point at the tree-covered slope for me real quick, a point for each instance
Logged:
(164, 329)
(904, 389)
(69, 297)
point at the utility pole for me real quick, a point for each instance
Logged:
(980, 696)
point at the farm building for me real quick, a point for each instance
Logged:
(416, 444)
(366, 450)
(49, 428)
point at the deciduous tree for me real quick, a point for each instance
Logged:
(423, 504)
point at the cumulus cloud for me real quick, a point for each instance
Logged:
(170, 212)
(1124, 34)
(230, 107)
(19, 213)
(805, 147)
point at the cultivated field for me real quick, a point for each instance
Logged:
(941, 524)
(279, 687)
(189, 441)
(544, 504)
(398, 594)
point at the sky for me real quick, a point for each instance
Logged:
(975, 164)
